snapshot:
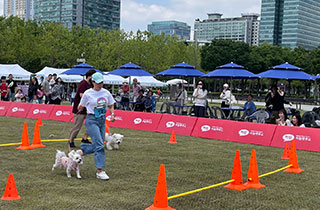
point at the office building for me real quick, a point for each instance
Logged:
(104, 14)
(242, 29)
(290, 23)
(172, 28)
(20, 8)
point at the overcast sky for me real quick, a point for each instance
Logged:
(137, 14)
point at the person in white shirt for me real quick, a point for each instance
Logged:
(200, 102)
(96, 100)
(226, 98)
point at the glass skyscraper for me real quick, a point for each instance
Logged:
(19, 8)
(172, 28)
(103, 14)
(290, 23)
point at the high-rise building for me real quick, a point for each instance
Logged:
(20, 8)
(243, 29)
(172, 28)
(290, 23)
(104, 14)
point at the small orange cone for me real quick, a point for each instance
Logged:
(36, 143)
(293, 160)
(160, 200)
(40, 121)
(173, 139)
(253, 174)
(24, 139)
(107, 126)
(10, 193)
(286, 153)
(237, 184)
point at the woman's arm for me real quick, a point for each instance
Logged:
(202, 95)
(111, 108)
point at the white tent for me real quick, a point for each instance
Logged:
(176, 81)
(17, 71)
(111, 79)
(148, 81)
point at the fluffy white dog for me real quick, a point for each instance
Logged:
(70, 163)
(113, 141)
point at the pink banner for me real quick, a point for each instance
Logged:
(305, 138)
(43, 110)
(182, 125)
(61, 113)
(243, 132)
(4, 107)
(18, 109)
(135, 120)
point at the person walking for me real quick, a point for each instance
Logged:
(200, 102)
(96, 100)
(80, 116)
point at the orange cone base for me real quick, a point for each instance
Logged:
(24, 147)
(254, 185)
(172, 142)
(294, 170)
(33, 146)
(10, 198)
(285, 158)
(238, 187)
(156, 208)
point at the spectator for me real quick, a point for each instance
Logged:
(200, 102)
(32, 90)
(278, 102)
(296, 120)
(226, 98)
(46, 88)
(249, 106)
(12, 87)
(60, 84)
(54, 77)
(181, 97)
(140, 101)
(73, 90)
(4, 89)
(80, 116)
(40, 94)
(19, 95)
(125, 94)
(41, 81)
(24, 99)
(150, 102)
(136, 87)
(269, 98)
(282, 118)
(55, 93)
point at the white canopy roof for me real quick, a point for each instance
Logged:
(17, 71)
(176, 81)
(108, 79)
(148, 81)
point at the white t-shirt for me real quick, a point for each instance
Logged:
(92, 98)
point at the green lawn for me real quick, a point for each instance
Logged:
(192, 163)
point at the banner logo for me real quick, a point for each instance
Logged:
(243, 132)
(137, 121)
(36, 111)
(288, 137)
(14, 109)
(205, 128)
(170, 124)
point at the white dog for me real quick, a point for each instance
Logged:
(113, 141)
(70, 163)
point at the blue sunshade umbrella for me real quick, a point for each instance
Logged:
(231, 70)
(182, 69)
(286, 71)
(130, 69)
(80, 69)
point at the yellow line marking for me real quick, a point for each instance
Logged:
(201, 189)
(47, 140)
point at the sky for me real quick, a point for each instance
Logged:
(137, 14)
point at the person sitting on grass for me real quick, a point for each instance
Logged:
(139, 105)
(150, 102)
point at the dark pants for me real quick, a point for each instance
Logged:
(226, 112)
(199, 111)
(56, 101)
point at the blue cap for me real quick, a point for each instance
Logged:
(97, 77)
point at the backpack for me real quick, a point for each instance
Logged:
(316, 110)
(309, 119)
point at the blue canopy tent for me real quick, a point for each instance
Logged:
(231, 71)
(130, 69)
(182, 70)
(286, 71)
(81, 69)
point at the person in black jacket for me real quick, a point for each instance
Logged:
(32, 90)
(278, 101)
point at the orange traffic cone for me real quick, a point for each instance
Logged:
(237, 184)
(286, 153)
(40, 121)
(36, 143)
(293, 160)
(253, 174)
(173, 139)
(24, 139)
(107, 126)
(10, 193)
(160, 200)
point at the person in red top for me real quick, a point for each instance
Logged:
(79, 117)
(4, 89)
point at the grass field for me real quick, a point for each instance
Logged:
(192, 163)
